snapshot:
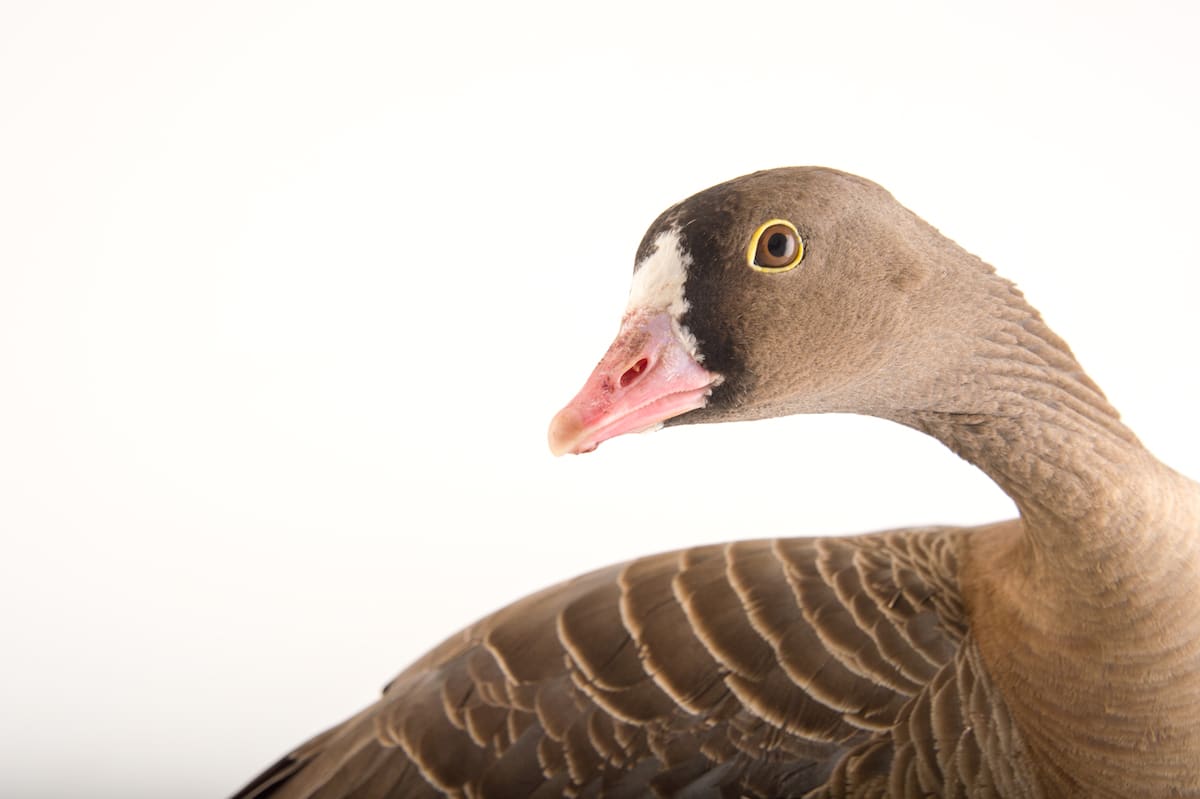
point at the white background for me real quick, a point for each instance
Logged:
(289, 291)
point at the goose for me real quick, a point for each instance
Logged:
(1053, 655)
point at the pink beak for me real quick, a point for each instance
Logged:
(647, 376)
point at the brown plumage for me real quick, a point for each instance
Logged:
(1053, 655)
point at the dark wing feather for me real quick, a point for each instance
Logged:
(830, 667)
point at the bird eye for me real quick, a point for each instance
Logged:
(775, 247)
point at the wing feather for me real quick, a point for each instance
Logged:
(800, 667)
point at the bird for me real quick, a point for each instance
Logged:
(1056, 654)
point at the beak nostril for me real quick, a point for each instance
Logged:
(633, 372)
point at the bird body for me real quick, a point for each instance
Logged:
(1054, 655)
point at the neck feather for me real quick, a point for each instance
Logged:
(1087, 611)
(1021, 408)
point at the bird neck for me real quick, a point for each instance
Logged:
(1050, 440)
(1018, 405)
(1086, 608)
(1097, 509)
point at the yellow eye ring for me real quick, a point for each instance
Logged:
(775, 247)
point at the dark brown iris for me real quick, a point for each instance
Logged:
(777, 247)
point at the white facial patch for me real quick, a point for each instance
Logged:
(658, 285)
